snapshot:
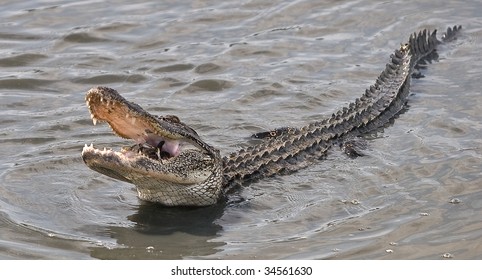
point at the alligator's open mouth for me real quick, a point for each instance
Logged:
(158, 153)
(129, 120)
(165, 149)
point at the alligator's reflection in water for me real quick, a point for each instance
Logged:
(165, 233)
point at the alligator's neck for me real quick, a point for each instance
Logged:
(292, 149)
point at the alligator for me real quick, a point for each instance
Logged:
(170, 164)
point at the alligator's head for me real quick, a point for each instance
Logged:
(168, 162)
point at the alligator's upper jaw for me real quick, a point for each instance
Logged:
(129, 120)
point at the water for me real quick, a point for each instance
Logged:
(230, 70)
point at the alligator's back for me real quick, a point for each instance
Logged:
(289, 149)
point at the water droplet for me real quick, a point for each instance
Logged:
(447, 256)
(455, 201)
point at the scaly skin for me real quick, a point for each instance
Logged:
(171, 165)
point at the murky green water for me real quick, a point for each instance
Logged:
(230, 70)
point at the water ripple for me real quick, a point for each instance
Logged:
(230, 69)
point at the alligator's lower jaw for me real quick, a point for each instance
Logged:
(107, 154)
(106, 161)
(120, 165)
(166, 181)
(138, 167)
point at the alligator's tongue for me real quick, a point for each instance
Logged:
(168, 146)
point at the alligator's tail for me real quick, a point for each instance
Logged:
(420, 48)
(289, 149)
(424, 44)
(451, 33)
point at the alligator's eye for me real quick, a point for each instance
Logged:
(171, 118)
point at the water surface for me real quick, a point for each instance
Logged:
(230, 70)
